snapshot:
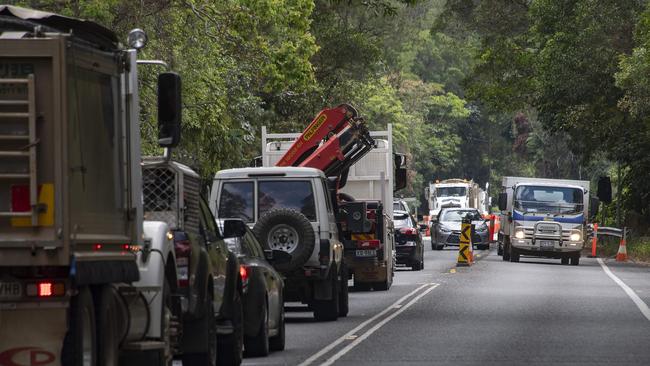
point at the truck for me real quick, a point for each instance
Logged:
(544, 218)
(459, 193)
(84, 278)
(370, 182)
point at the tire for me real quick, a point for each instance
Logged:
(287, 230)
(362, 286)
(416, 266)
(344, 292)
(575, 260)
(207, 325)
(230, 347)
(277, 342)
(258, 345)
(514, 255)
(484, 247)
(440, 247)
(381, 286)
(506, 252)
(80, 341)
(108, 338)
(328, 310)
(499, 249)
(564, 260)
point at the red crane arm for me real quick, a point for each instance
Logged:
(327, 123)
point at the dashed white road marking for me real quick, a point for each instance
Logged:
(637, 300)
(354, 331)
(370, 331)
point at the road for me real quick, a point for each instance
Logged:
(535, 312)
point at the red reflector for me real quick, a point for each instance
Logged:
(97, 246)
(45, 289)
(366, 244)
(20, 198)
(126, 246)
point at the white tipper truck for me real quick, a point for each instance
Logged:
(459, 193)
(84, 280)
(543, 218)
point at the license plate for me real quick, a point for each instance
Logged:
(366, 253)
(547, 243)
(10, 290)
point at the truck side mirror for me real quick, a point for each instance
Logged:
(605, 190)
(503, 201)
(169, 109)
(234, 228)
(594, 205)
(400, 179)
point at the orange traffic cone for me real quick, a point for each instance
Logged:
(621, 256)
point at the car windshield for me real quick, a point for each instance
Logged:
(545, 199)
(398, 206)
(296, 195)
(458, 215)
(451, 191)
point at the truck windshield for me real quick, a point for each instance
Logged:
(450, 191)
(562, 200)
(296, 195)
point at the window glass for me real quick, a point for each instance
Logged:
(252, 246)
(234, 245)
(296, 195)
(236, 201)
(208, 222)
(549, 199)
(451, 191)
(327, 197)
(458, 215)
(401, 221)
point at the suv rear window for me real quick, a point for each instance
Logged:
(296, 195)
(236, 201)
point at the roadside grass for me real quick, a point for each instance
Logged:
(638, 249)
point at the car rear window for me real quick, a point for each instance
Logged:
(402, 220)
(295, 195)
(236, 201)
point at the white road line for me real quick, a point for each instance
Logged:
(370, 331)
(344, 337)
(637, 300)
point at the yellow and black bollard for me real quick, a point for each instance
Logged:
(465, 249)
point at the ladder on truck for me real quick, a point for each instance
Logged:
(24, 111)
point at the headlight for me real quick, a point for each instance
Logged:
(519, 234)
(575, 237)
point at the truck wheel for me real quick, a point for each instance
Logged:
(344, 297)
(327, 310)
(276, 343)
(514, 255)
(258, 345)
(207, 327)
(230, 347)
(575, 260)
(564, 260)
(80, 342)
(107, 320)
(287, 230)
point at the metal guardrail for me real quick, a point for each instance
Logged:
(607, 231)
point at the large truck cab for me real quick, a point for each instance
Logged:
(543, 217)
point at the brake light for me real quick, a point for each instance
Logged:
(183, 249)
(408, 231)
(243, 273)
(45, 289)
(97, 246)
(368, 244)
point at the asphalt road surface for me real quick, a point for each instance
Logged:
(536, 312)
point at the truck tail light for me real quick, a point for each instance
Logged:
(183, 251)
(368, 244)
(45, 289)
(408, 231)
